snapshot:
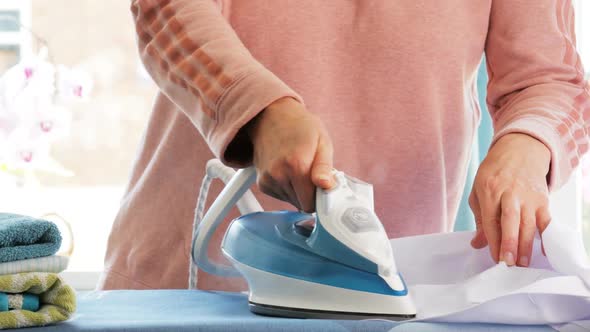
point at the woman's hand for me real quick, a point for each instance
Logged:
(292, 153)
(510, 198)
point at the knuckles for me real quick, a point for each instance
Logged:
(544, 200)
(294, 164)
(281, 170)
(497, 185)
(510, 213)
(288, 167)
(490, 183)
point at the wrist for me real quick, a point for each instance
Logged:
(285, 104)
(527, 146)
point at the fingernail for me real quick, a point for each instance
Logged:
(524, 261)
(324, 180)
(508, 258)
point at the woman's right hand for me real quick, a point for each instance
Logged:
(293, 153)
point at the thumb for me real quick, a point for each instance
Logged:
(321, 170)
(479, 240)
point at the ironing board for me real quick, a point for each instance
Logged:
(189, 310)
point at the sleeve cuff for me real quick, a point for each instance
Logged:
(243, 100)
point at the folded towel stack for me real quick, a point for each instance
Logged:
(31, 291)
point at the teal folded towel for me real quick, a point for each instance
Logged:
(23, 237)
(24, 301)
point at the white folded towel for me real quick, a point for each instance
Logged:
(53, 264)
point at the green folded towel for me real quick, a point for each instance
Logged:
(23, 237)
(57, 301)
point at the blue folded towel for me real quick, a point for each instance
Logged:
(23, 237)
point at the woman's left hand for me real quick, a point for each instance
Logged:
(510, 199)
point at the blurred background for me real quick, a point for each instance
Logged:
(105, 98)
(92, 163)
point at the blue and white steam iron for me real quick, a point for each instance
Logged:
(341, 268)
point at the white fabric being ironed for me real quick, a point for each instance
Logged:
(452, 282)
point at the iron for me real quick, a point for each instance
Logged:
(336, 263)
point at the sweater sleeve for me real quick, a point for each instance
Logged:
(199, 63)
(537, 82)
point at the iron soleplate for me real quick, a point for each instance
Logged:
(277, 311)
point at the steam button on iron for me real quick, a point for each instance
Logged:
(358, 219)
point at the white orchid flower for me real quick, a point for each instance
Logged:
(73, 83)
(53, 122)
(25, 148)
(33, 77)
(30, 119)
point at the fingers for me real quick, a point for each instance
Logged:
(304, 191)
(321, 171)
(511, 240)
(320, 175)
(298, 169)
(277, 189)
(526, 236)
(295, 181)
(299, 191)
(543, 220)
(509, 221)
(490, 208)
(479, 240)
(292, 178)
(292, 195)
(289, 180)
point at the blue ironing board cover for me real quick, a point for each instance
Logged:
(190, 310)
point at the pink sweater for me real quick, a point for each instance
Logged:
(394, 81)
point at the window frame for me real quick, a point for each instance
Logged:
(22, 38)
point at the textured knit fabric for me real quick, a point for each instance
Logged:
(54, 264)
(23, 237)
(394, 82)
(58, 300)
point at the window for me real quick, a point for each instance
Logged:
(81, 187)
(14, 42)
